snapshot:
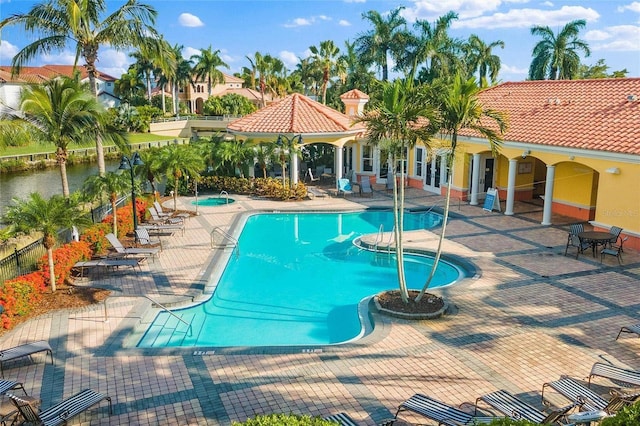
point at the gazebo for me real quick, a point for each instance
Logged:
(297, 118)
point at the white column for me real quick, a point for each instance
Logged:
(294, 169)
(511, 187)
(475, 179)
(548, 195)
(339, 152)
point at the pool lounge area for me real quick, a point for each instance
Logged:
(530, 315)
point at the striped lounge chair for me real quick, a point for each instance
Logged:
(631, 329)
(440, 412)
(619, 376)
(25, 350)
(591, 401)
(511, 406)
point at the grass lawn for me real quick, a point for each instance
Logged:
(41, 148)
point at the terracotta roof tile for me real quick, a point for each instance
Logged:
(354, 94)
(596, 114)
(295, 114)
(50, 71)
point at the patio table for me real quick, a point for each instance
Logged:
(595, 238)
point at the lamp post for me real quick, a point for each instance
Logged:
(289, 142)
(127, 164)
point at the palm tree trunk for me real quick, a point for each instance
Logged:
(52, 275)
(175, 194)
(91, 69)
(444, 228)
(115, 217)
(62, 161)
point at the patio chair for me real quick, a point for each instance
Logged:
(574, 241)
(615, 234)
(155, 218)
(590, 400)
(165, 215)
(143, 237)
(309, 173)
(633, 329)
(508, 404)
(344, 187)
(60, 413)
(389, 184)
(614, 250)
(24, 350)
(130, 251)
(365, 186)
(440, 412)
(619, 376)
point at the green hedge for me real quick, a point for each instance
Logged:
(284, 420)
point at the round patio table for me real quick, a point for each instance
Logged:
(595, 238)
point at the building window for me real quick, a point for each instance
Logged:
(419, 167)
(367, 158)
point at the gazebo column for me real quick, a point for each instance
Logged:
(294, 170)
(511, 187)
(475, 179)
(338, 151)
(548, 195)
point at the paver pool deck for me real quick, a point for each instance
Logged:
(531, 315)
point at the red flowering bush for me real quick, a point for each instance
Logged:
(124, 216)
(95, 237)
(19, 295)
(64, 258)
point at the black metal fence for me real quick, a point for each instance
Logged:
(22, 261)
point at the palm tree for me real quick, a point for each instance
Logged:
(49, 217)
(206, 66)
(54, 23)
(182, 76)
(111, 183)
(178, 161)
(482, 59)
(151, 169)
(327, 58)
(386, 37)
(129, 85)
(556, 56)
(393, 124)
(59, 112)
(264, 153)
(165, 69)
(458, 108)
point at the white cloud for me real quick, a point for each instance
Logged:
(547, 3)
(188, 52)
(7, 50)
(298, 22)
(513, 70)
(355, 1)
(525, 18)
(324, 18)
(189, 20)
(113, 62)
(634, 7)
(431, 10)
(621, 38)
(290, 59)
(65, 57)
(344, 23)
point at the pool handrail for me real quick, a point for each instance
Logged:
(225, 235)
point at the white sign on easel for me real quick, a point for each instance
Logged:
(492, 200)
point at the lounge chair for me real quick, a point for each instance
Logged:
(311, 178)
(155, 218)
(342, 418)
(365, 186)
(508, 404)
(130, 251)
(106, 263)
(344, 187)
(591, 401)
(632, 329)
(143, 237)
(440, 412)
(60, 413)
(165, 215)
(25, 350)
(7, 385)
(619, 376)
(313, 192)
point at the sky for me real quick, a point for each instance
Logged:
(286, 29)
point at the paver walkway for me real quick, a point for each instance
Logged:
(531, 315)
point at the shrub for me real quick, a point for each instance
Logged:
(19, 295)
(506, 421)
(628, 416)
(64, 258)
(284, 419)
(95, 237)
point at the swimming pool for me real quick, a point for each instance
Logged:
(297, 281)
(214, 201)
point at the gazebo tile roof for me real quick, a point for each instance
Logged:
(295, 113)
(600, 114)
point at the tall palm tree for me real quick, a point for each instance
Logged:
(151, 169)
(264, 153)
(55, 23)
(165, 69)
(555, 57)
(458, 108)
(182, 76)
(327, 58)
(143, 67)
(206, 67)
(61, 112)
(433, 48)
(386, 37)
(178, 161)
(393, 125)
(113, 185)
(482, 59)
(46, 216)
(358, 75)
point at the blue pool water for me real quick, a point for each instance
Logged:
(297, 281)
(214, 201)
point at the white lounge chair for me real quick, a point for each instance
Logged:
(155, 218)
(344, 187)
(130, 251)
(164, 214)
(142, 234)
(619, 376)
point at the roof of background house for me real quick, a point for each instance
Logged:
(47, 72)
(295, 113)
(600, 114)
